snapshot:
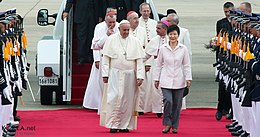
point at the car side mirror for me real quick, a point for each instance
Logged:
(42, 17)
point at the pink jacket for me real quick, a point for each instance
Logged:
(172, 67)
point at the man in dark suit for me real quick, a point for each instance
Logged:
(87, 14)
(224, 23)
(224, 98)
(124, 6)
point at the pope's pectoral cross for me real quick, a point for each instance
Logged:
(125, 55)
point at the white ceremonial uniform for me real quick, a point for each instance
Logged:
(257, 119)
(6, 113)
(153, 101)
(140, 34)
(149, 26)
(184, 38)
(6, 110)
(122, 64)
(95, 86)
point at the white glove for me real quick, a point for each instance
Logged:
(7, 93)
(18, 84)
(26, 75)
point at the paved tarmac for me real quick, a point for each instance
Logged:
(199, 16)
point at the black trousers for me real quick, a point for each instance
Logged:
(224, 98)
(85, 33)
(15, 95)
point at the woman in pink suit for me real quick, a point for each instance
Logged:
(172, 74)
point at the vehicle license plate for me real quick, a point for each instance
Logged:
(52, 81)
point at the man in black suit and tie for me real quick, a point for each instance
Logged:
(224, 98)
(87, 14)
(124, 6)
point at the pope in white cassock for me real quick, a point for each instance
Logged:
(154, 98)
(123, 71)
(140, 34)
(95, 86)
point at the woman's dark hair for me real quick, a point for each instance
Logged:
(173, 28)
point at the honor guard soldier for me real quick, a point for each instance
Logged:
(13, 74)
(237, 66)
(255, 96)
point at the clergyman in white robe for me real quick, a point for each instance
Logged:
(95, 86)
(123, 67)
(184, 38)
(153, 102)
(140, 34)
(146, 22)
(154, 98)
(94, 90)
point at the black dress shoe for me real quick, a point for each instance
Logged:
(229, 116)
(8, 134)
(13, 124)
(218, 115)
(17, 118)
(7, 128)
(140, 113)
(124, 130)
(235, 128)
(241, 131)
(232, 124)
(112, 130)
(159, 115)
(245, 134)
(237, 133)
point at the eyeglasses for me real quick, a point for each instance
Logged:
(226, 11)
